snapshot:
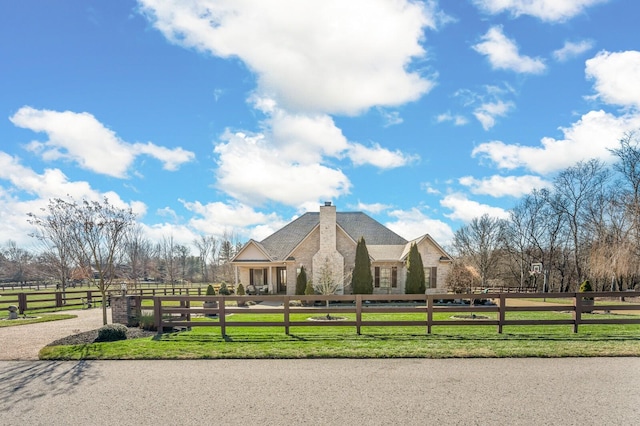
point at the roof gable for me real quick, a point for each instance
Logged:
(280, 244)
(251, 251)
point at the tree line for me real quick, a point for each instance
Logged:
(64, 256)
(584, 226)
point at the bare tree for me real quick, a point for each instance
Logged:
(53, 230)
(138, 251)
(577, 189)
(206, 246)
(479, 242)
(17, 263)
(327, 281)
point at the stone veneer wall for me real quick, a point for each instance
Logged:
(328, 255)
(431, 257)
(126, 310)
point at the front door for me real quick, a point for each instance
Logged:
(281, 279)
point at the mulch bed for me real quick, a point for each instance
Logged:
(90, 336)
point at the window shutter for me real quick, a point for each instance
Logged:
(434, 277)
(376, 279)
(394, 277)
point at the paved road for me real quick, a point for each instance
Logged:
(584, 391)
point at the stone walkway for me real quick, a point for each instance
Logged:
(23, 342)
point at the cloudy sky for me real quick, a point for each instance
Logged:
(213, 116)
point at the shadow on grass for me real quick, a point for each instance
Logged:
(311, 337)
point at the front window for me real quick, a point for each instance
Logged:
(386, 277)
(258, 277)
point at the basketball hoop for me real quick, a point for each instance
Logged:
(536, 269)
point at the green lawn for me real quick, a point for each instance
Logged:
(374, 342)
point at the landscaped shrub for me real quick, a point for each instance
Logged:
(309, 290)
(301, 281)
(210, 290)
(147, 322)
(240, 290)
(584, 287)
(111, 333)
(224, 290)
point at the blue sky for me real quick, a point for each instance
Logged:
(214, 116)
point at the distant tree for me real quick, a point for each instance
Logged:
(53, 230)
(461, 278)
(301, 281)
(415, 283)
(206, 247)
(362, 279)
(479, 243)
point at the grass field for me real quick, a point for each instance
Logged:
(374, 342)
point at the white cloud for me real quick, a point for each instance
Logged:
(546, 10)
(503, 53)
(217, 218)
(465, 210)
(322, 56)
(500, 186)
(252, 170)
(487, 113)
(391, 118)
(616, 76)
(572, 49)
(172, 159)
(81, 138)
(39, 189)
(378, 156)
(374, 208)
(304, 138)
(457, 120)
(590, 137)
(414, 223)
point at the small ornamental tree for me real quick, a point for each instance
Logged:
(585, 287)
(362, 279)
(415, 272)
(301, 282)
(210, 290)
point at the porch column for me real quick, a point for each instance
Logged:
(270, 281)
(235, 273)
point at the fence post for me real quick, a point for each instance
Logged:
(58, 299)
(221, 315)
(429, 312)
(577, 311)
(501, 312)
(358, 313)
(22, 303)
(157, 313)
(285, 301)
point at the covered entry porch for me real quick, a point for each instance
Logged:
(262, 278)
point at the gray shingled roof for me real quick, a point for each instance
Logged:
(356, 224)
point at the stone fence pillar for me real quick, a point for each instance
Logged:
(126, 310)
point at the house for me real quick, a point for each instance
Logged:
(325, 242)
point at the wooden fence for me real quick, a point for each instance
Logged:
(52, 300)
(168, 315)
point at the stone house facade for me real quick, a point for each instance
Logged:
(325, 244)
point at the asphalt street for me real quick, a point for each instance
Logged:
(565, 391)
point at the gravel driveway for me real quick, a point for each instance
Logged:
(25, 341)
